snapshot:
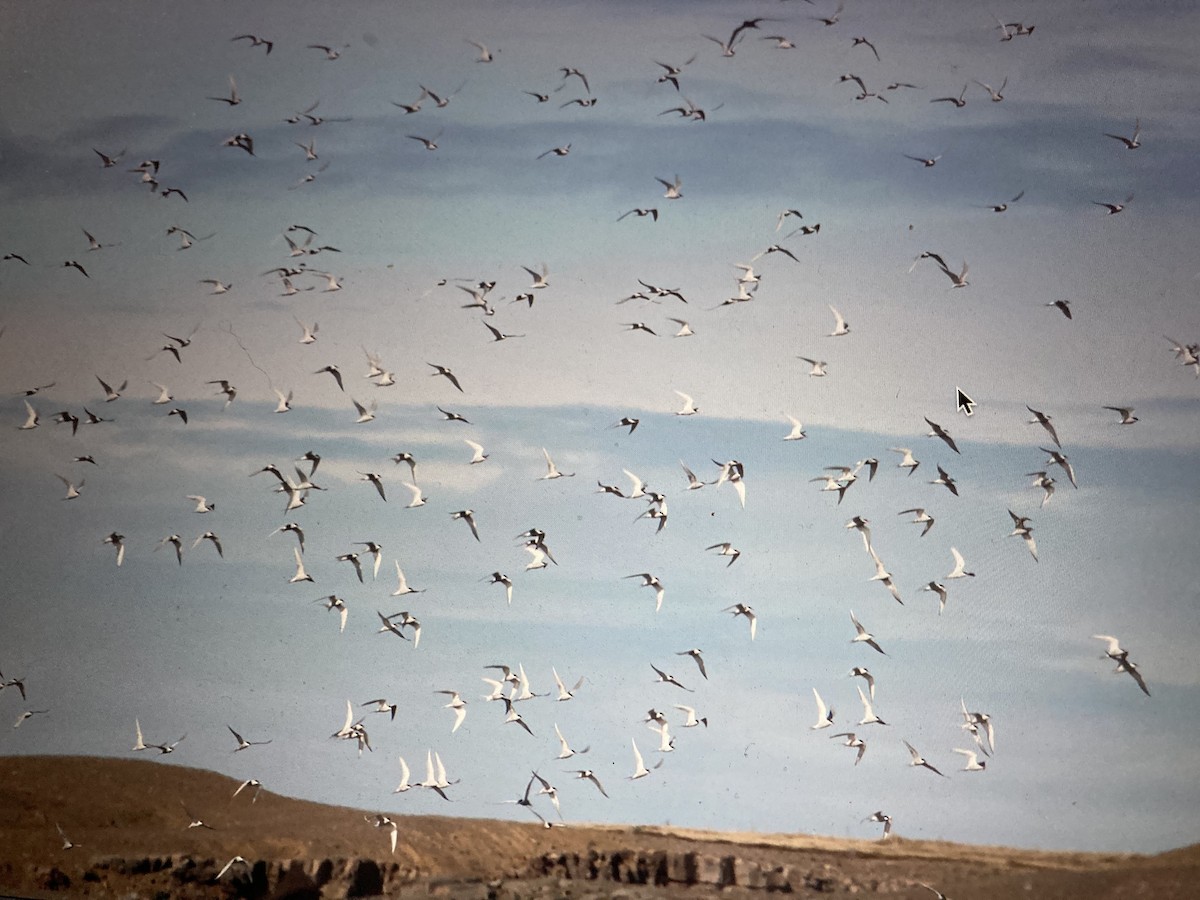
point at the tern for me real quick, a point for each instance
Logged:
(841, 327)
(244, 744)
(818, 366)
(1063, 306)
(1124, 664)
(1045, 482)
(918, 760)
(940, 590)
(379, 820)
(1114, 208)
(1040, 418)
(640, 212)
(563, 693)
(1003, 207)
(501, 578)
(429, 143)
(945, 479)
(552, 470)
(1022, 529)
(689, 407)
(863, 636)
(824, 714)
(1062, 460)
(864, 42)
(995, 93)
(556, 151)
(937, 431)
(1126, 414)
(927, 161)
(175, 541)
(880, 816)
(797, 432)
(920, 516)
(741, 609)
(673, 188)
(452, 416)
(863, 673)
(669, 679)
(249, 782)
(869, 717)
(639, 765)
(300, 575)
(651, 581)
(973, 764)
(68, 844)
(255, 41)
(109, 394)
(726, 549)
(332, 602)
(959, 102)
(352, 558)
(72, 489)
(236, 861)
(693, 721)
(863, 527)
(202, 505)
(1131, 143)
(118, 541)
(591, 776)
(958, 571)
(402, 586)
(31, 418)
(468, 516)
(458, 704)
(853, 740)
(513, 716)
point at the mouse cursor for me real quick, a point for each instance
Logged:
(965, 404)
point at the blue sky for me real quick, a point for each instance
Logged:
(1083, 759)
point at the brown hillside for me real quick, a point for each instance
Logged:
(131, 809)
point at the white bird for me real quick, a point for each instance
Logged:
(863, 636)
(940, 590)
(673, 188)
(797, 432)
(689, 407)
(202, 505)
(1131, 143)
(1126, 414)
(501, 578)
(853, 740)
(565, 750)
(485, 55)
(639, 765)
(741, 609)
(404, 775)
(72, 489)
(918, 760)
(31, 418)
(841, 327)
(552, 470)
(365, 413)
(477, 448)
(1063, 461)
(824, 714)
(869, 717)
(563, 693)
(468, 516)
(244, 744)
(651, 581)
(973, 764)
(402, 586)
(418, 498)
(381, 821)
(818, 366)
(458, 704)
(685, 330)
(919, 517)
(959, 571)
(300, 575)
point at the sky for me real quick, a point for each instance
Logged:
(1082, 759)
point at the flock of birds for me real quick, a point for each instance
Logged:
(509, 687)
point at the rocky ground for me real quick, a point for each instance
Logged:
(127, 821)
